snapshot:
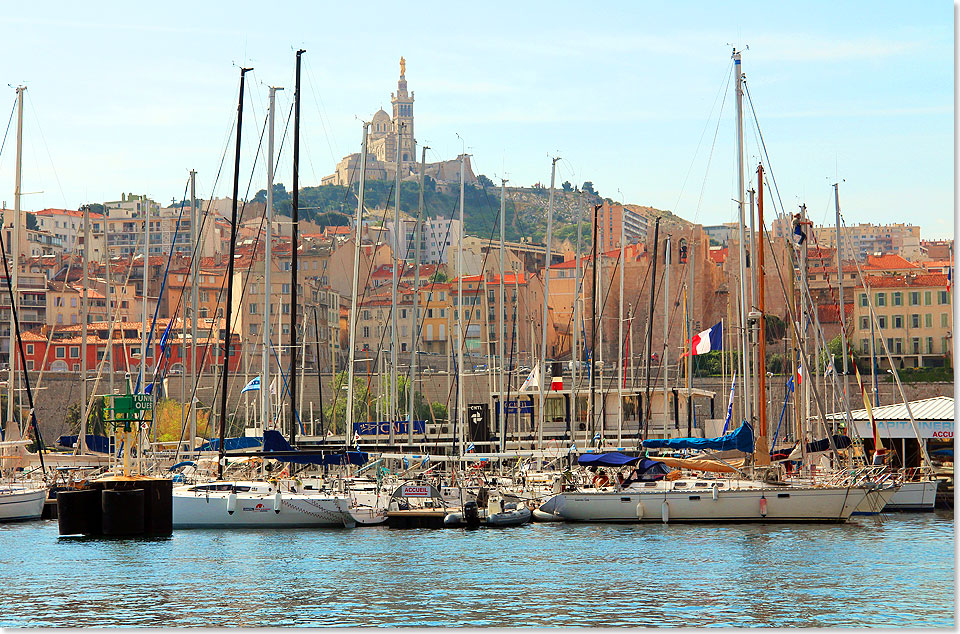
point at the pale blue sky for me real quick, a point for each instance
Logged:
(124, 97)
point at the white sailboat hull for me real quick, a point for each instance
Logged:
(914, 496)
(201, 509)
(19, 502)
(748, 504)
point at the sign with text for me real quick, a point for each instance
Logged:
(132, 403)
(383, 428)
(935, 429)
(526, 407)
(415, 491)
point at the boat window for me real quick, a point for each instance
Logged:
(701, 484)
(624, 499)
(678, 485)
(241, 489)
(649, 484)
(694, 497)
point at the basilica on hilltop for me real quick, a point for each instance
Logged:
(382, 156)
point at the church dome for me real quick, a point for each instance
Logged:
(381, 122)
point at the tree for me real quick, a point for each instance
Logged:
(588, 187)
(484, 181)
(567, 187)
(280, 195)
(94, 208)
(32, 224)
(439, 277)
(776, 328)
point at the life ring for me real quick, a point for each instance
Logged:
(600, 481)
(284, 474)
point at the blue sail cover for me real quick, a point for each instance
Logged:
(231, 444)
(740, 439)
(609, 459)
(100, 444)
(274, 441)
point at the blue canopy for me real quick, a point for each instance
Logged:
(274, 441)
(183, 463)
(241, 442)
(740, 439)
(609, 459)
(100, 444)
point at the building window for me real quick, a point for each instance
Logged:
(944, 298)
(915, 344)
(897, 298)
(29, 348)
(915, 298)
(253, 308)
(881, 299)
(74, 352)
(915, 320)
(898, 321)
(898, 345)
(286, 309)
(927, 298)
(366, 331)
(929, 345)
(61, 352)
(944, 319)
(928, 320)
(864, 346)
(882, 319)
(943, 345)
(253, 329)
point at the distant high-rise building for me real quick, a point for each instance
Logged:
(612, 216)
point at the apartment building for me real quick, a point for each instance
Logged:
(915, 317)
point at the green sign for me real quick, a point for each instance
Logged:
(132, 403)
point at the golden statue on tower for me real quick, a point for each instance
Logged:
(403, 66)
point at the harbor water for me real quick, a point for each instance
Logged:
(895, 570)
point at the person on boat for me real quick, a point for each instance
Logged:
(601, 480)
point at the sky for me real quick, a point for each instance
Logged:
(633, 96)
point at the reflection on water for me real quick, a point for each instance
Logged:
(897, 571)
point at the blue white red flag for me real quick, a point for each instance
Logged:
(707, 341)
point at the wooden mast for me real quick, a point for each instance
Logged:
(762, 450)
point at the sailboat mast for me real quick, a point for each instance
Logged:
(194, 270)
(145, 206)
(12, 281)
(744, 338)
(666, 330)
(689, 310)
(620, 340)
(762, 454)
(460, 340)
(575, 340)
(546, 295)
(294, 245)
(843, 321)
(393, 402)
(591, 405)
(267, 265)
(228, 310)
(646, 362)
(84, 318)
(414, 317)
(501, 316)
(352, 353)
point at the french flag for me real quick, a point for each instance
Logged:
(707, 341)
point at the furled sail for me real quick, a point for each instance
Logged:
(740, 439)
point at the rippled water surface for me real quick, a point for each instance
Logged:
(894, 571)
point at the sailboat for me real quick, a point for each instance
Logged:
(757, 494)
(19, 500)
(259, 503)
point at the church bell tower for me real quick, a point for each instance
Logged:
(403, 113)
